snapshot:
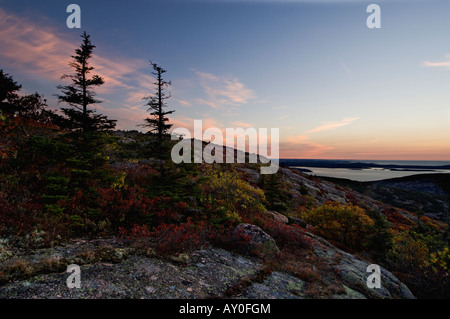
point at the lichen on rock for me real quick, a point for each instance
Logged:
(254, 240)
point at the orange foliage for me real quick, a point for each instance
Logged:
(347, 224)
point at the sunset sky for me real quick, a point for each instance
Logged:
(335, 88)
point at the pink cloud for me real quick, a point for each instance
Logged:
(223, 91)
(44, 52)
(121, 73)
(188, 123)
(326, 126)
(441, 64)
(36, 49)
(241, 124)
(301, 147)
(184, 102)
(445, 64)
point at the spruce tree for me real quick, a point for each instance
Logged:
(80, 94)
(156, 103)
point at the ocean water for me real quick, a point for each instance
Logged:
(375, 173)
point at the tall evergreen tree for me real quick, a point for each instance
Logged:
(8, 93)
(156, 103)
(80, 94)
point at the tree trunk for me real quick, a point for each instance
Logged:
(84, 97)
(160, 121)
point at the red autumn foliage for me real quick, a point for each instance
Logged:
(137, 232)
(140, 174)
(287, 235)
(118, 207)
(126, 207)
(397, 219)
(18, 212)
(172, 239)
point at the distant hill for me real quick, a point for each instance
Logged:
(429, 193)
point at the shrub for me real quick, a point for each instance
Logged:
(277, 197)
(173, 239)
(408, 253)
(440, 260)
(380, 240)
(19, 212)
(223, 236)
(122, 208)
(119, 182)
(287, 236)
(397, 220)
(346, 224)
(227, 192)
(304, 190)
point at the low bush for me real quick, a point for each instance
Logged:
(347, 224)
(173, 239)
(287, 236)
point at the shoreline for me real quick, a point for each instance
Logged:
(362, 171)
(362, 164)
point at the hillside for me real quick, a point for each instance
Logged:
(130, 267)
(159, 230)
(426, 193)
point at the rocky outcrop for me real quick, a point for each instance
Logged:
(278, 217)
(297, 221)
(112, 270)
(206, 274)
(353, 272)
(254, 240)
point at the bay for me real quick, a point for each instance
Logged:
(402, 169)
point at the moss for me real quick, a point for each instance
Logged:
(180, 259)
(113, 255)
(295, 288)
(351, 294)
(269, 249)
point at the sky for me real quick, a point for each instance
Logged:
(334, 88)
